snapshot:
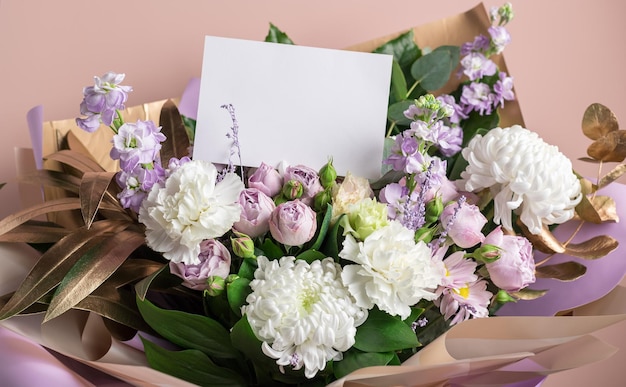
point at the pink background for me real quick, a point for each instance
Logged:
(564, 56)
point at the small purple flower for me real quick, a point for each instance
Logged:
(480, 44)
(503, 89)
(477, 97)
(500, 38)
(136, 184)
(214, 261)
(405, 155)
(266, 179)
(102, 101)
(457, 114)
(137, 143)
(476, 65)
(448, 139)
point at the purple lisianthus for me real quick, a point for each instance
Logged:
(256, 209)
(267, 180)
(101, 101)
(475, 65)
(214, 262)
(137, 143)
(308, 177)
(500, 38)
(477, 97)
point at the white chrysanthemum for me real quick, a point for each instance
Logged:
(393, 272)
(303, 313)
(525, 175)
(191, 207)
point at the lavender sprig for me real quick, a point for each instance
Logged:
(235, 146)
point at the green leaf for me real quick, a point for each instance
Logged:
(323, 228)
(478, 124)
(396, 112)
(330, 247)
(190, 365)
(274, 35)
(382, 332)
(190, 331)
(403, 49)
(247, 268)
(354, 360)
(143, 286)
(270, 249)
(237, 291)
(311, 255)
(433, 70)
(399, 89)
(190, 128)
(244, 339)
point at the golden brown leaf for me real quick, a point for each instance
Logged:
(115, 305)
(598, 120)
(35, 232)
(92, 269)
(566, 271)
(14, 220)
(528, 294)
(76, 160)
(594, 248)
(597, 209)
(609, 148)
(92, 189)
(586, 186)
(545, 241)
(53, 265)
(176, 143)
(74, 144)
(610, 177)
(51, 178)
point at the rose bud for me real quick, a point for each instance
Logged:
(256, 208)
(267, 180)
(464, 224)
(215, 286)
(293, 190)
(309, 179)
(328, 174)
(242, 245)
(293, 223)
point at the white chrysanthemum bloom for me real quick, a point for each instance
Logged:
(303, 313)
(190, 207)
(524, 174)
(393, 272)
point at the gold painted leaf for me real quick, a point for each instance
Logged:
(176, 143)
(528, 294)
(115, 305)
(35, 232)
(92, 269)
(566, 271)
(93, 186)
(609, 148)
(594, 248)
(545, 241)
(598, 120)
(610, 177)
(14, 220)
(74, 144)
(597, 209)
(76, 160)
(52, 178)
(54, 264)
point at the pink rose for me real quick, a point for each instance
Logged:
(293, 223)
(464, 224)
(214, 261)
(308, 177)
(256, 208)
(267, 180)
(516, 267)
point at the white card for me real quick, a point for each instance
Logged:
(293, 104)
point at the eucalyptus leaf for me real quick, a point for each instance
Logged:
(51, 178)
(399, 90)
(432, 71)
(275, 35)
(189, 331)
(354, 360)
(395, 113)
(403, 48)
(565, 271)
(382, 332)
(92, 269)
(192, 366)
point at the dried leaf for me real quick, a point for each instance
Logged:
(610, 177)
(528, 294)
(586, 186)
(566, 271)
(14, 220)
(74, 144)
(53, 265)
(76, 160)
(112, 305)
(609, 148)
(92, 269)
(545, 241)
(92, 189)
(597, 209)
(52, 178)
(598, 120)
(35, 232)
(172, 126)
(594, 248)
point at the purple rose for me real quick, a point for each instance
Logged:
(308, 177)
(214, 261)
(516, 267)
(267, 180)
(293, 223)
(464, 224)
(256, 208)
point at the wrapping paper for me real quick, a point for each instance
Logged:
(513, 351)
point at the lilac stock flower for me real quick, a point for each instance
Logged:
(447, 139)
(136, 184)
(500, 38)
(405, 154)
(475, 65)
(480, 44)
(101, 101)
(503, 89)
(477, 97)
(457, 110)
(137, 143)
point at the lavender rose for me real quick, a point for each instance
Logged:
(516, 267)
(310, 181)
(293, 223)
(256, 208)
(214, 261)
(464, 224)
(267, 180)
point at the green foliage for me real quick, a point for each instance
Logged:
(354, 359)
(275, 35)
(382, 332)
(237, 291)
(433, 70)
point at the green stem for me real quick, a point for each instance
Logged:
(408, 93)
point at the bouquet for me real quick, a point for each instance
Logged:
(290, 274)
